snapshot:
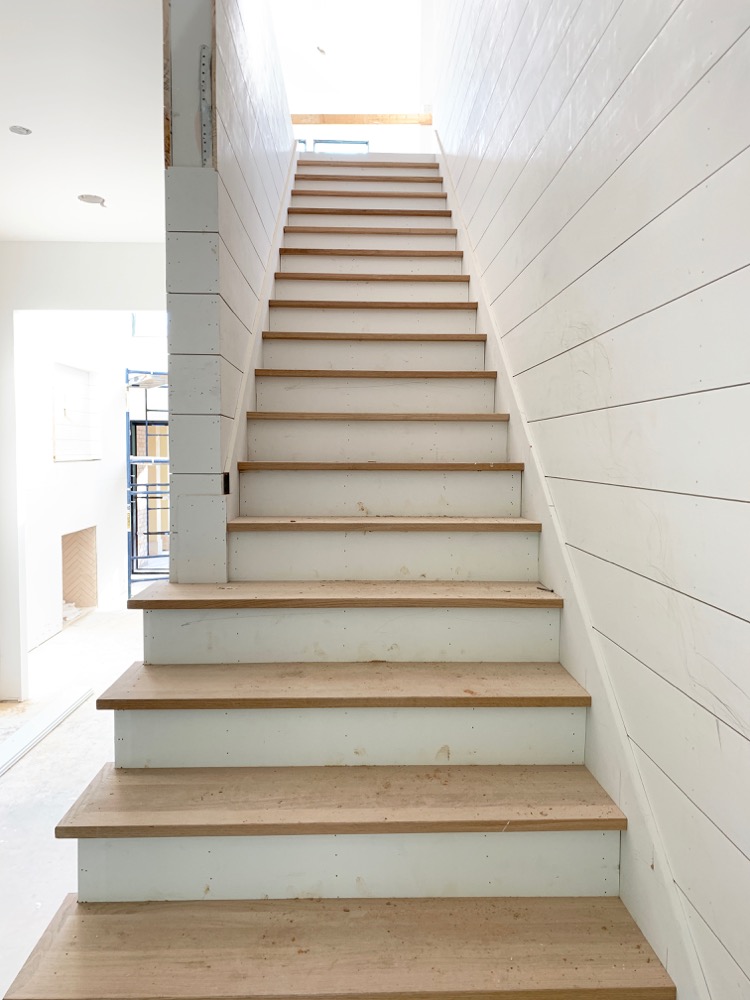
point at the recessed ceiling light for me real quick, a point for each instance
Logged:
(92, 199)
(20, 130)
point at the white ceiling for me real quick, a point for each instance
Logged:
(86, 77)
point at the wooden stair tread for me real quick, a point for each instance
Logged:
(346, 593)
(368, 373)
(374, 949)
(443, 213)
(407, 231)
(351, 162)
(447, 338)
(274, 801)
(380, 466)
(456, 279)
(331, 193)
(356, 304)
(400, 179)
(305, 415)
(343, 685)
(385, 523)
(321, 252)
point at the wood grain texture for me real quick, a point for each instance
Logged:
(380, 466)
(343, 685)
(392, 179)
(383, 524)
(396, 212)
(294, 415)
(408, 337)
(279, 801)
(435, 949)
(343, 594)
(373, 373)
(315, 252)
(337, 304)
(390, 164)
(333, 276)
(370, 230)
(368, 194)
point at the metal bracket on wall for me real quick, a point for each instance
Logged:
(206, 109)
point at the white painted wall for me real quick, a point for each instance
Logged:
(224, 224)
(598, 151)
(57, 498)
(61, 276)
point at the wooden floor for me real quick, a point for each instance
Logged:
(343, 685)
(273, 801)
(431, 949)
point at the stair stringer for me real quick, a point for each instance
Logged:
(647, 886)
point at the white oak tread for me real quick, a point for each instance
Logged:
(565, 948)
(328, 193)
(316, 252)
(279, 801)
(442, 213)
(456, 279)
(349, 304)
(372, 230)
(447, 338)
(383, 524)
(307, 415)
(343, 685)
(368, 373)
(399, 179)
(345, 594)
(380, 466)
(391, 164)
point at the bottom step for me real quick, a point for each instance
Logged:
(512, 949)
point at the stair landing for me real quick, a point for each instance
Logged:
(434, 949)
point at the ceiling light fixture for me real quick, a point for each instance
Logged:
(19, 130)
(92, 199)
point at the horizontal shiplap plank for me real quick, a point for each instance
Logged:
(696, 545)
(688, 444)
(703, 756)
(662, 353)
(695, 647)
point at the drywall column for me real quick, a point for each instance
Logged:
(224, 224)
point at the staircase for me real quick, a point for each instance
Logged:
(356, 769)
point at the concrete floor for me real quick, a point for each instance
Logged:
(37, 871)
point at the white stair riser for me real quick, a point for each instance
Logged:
(342, 394)
(376, 441)
(360, 493)
(372, 291)
(375, 355)
(340, 264)
(371, 241)
(310, 635)
(318, 319)
(566, 863)
(306, 218)
(349, 736)
(383, 555)
(359, 201)
(368, 184)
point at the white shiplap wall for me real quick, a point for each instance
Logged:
(224, 225)
(598, 153)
